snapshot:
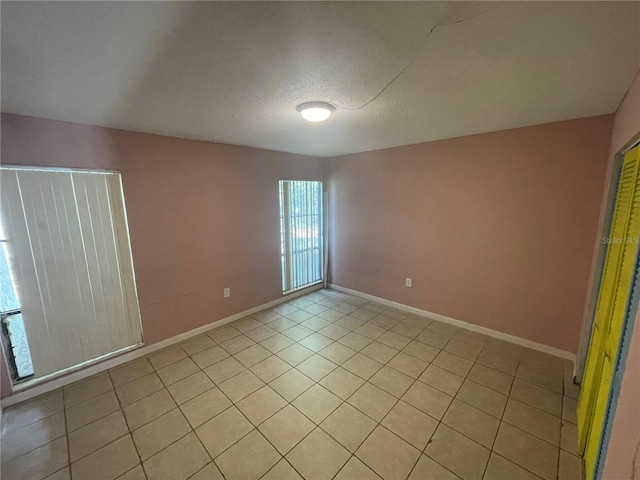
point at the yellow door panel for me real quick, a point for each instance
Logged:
(603, 351)
(610, 276)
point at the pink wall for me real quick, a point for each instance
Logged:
(396, 213)
(625, 434)
(494, 229)
(202, 216)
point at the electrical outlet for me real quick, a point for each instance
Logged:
(227, 292)
(407, 282)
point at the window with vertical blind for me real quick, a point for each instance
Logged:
(301, 242)
(67, 250)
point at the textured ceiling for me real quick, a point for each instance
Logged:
(234, 72)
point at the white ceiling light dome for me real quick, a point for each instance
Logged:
(315, 111)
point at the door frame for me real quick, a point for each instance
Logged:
(599, 259)
(629, 320)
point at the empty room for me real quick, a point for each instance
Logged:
(319, 240)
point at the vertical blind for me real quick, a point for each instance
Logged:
(301, 240)
(68, 251)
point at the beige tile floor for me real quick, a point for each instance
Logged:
(325, 386)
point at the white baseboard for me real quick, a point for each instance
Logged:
(37, 387)
(459, 323)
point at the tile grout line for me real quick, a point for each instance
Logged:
(286, 461)
(129, 433)
(64, 409)
(17, 429)
(165, 387)
(318, 426)
(66, 434)
(416, 379)
(501, 421)
(517, 428)
(338, 365)
(221, 412)
(178, 407)
(234, 404)
(255, 428)
(398, 399)
(441, 420)
(379, 423)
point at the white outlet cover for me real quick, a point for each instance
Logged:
(407, 282)
(227, 292)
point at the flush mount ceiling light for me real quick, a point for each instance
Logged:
(315, 111)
